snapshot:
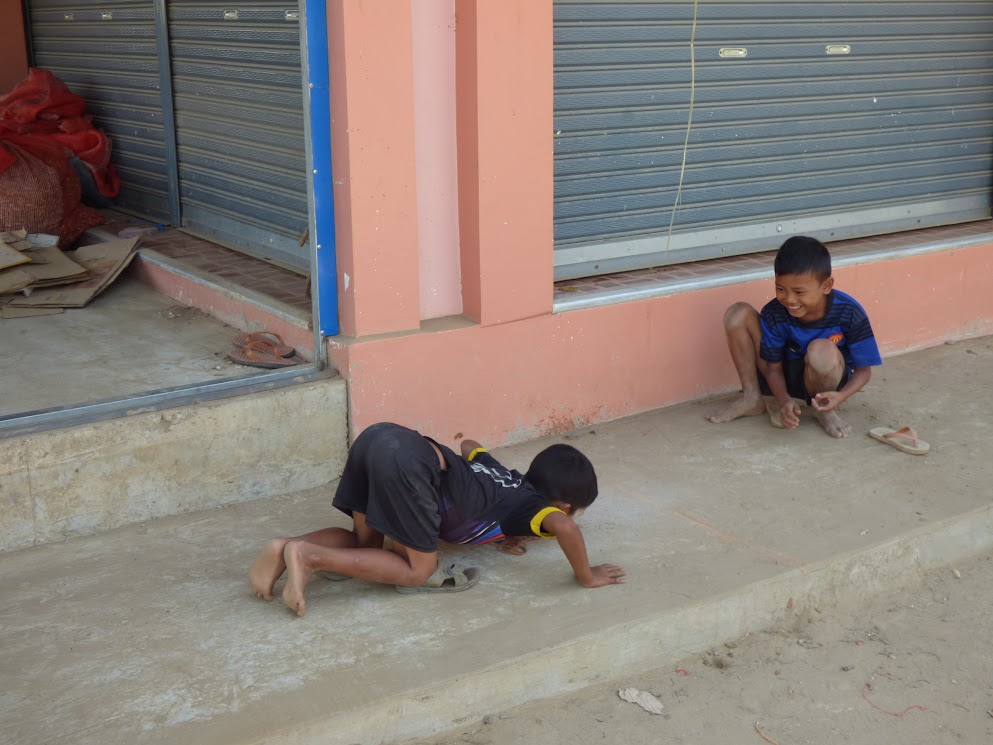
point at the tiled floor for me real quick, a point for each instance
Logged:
(254, 274)
(571, 292)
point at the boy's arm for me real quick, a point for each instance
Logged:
(468, 447)
(570, 539)
(789, 410)
(830, 400)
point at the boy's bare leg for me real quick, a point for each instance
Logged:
(744, 335)
(823, 369)
(269, 564)
(401, 566)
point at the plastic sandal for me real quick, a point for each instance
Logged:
(905, 439)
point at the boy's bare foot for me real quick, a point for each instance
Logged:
(775, 418)
(741, 406)
(267, 568)
(297, 576)
(833, 424)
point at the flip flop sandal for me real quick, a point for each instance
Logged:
(905, 439)
(335, 577)
(453, 577)
(514, 545)
(514, 549)
(261, 354)
(275, 340)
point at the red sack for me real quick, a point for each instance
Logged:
(43, 106)
(40, 191)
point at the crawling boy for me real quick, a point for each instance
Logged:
(398, 484)
(811, 343)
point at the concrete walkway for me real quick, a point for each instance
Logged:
(150, 634)
(128, 341)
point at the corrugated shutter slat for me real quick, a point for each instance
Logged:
(239, 124)
(896, 134)
(112, 62)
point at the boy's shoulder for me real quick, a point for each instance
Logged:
(845, 305)
(842, 306)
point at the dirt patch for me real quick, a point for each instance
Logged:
(912, 669)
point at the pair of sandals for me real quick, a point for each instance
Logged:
(262, 349)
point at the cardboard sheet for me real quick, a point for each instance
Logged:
(8, 313)
(52, 268)
(10, 256)
(103, 261)
(13, 280)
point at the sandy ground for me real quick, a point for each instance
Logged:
(915, 668)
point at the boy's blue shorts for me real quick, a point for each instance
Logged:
(793, 372)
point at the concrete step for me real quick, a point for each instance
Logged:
(84, 479)
(150, 633)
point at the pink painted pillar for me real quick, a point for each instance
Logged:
(503, 83)
(372, 142)
(13, 49)
(437, 174)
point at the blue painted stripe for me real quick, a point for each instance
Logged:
(320, 133)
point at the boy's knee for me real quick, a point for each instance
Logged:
(823, 355)
(422, 566)
(417, 576)
(738, 315)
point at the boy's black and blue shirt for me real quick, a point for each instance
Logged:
(845, 323)
(482, 500)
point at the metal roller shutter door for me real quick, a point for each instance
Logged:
(897, 133)
(106, 53)
(238, 96)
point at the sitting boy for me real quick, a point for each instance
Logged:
(397, 484)
(812, 343)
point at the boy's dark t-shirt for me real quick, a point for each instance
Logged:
(482, 500)
(845, 322)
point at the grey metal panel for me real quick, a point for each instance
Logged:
(786, 135)
(239, 124)
(106, 53)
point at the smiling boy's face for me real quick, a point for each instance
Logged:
(803, 295)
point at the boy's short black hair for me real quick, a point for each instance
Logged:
(803, 255)
(562, 473)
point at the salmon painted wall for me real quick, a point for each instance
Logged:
(433, 24)
(13, 48)
(504, 124)
(373, 154)
(516, 381)
(508, 369)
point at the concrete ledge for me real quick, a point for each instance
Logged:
(593, 365)
(630, 648)
(718, 526)
(236, 306)
(90, 478)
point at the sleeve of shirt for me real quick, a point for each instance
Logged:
(773, 346)
(862, 348)
(527, 517)
(482, 455)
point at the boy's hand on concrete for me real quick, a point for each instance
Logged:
(828, 401)
(789, 414)
(606, 574)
